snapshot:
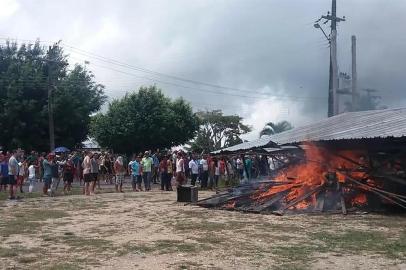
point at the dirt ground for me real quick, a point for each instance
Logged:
(153, 231)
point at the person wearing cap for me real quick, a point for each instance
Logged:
(147, 170)
(119, 169)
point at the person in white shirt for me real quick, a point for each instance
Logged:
(180, 169)
(31, 177)
(240, 168)
(21, 175)
(87, 176)
(194, 168)
(205, 172)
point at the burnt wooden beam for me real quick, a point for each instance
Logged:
(297, 200)
(370, 189)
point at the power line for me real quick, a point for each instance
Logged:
(154, 73)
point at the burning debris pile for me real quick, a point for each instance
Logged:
(323, 180)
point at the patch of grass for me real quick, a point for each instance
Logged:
(361, 241)
(8, 252)
(39, 215)
(83, 243)
(172, 246)
(4, 195)
(270, 227)
(293, 252)
(64, 266)
(293, 257)
(162, 247)
(201, 226)
(85, 204)
(79, 243)
(24, 221)
(188, 265)
(137, 248)
(212, 239)
(397, 248)
(27, 260)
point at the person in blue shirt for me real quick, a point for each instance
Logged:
(155, 172)
(136, 174)
(48, 164)
(4, 172)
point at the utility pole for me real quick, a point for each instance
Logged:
(354, 73)
(50, 104)
(333, 77)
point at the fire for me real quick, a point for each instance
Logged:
(360, 199)
(302, 205)
(230, 205)
(320, 167)
(320, 179)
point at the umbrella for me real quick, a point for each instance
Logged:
(61, 149)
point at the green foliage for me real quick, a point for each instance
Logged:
(75, 100)
(218, 131)
(144, 120)
(26, 74)
(275, 128)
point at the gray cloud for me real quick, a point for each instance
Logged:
(256, 45)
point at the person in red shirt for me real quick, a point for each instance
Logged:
(68, 172)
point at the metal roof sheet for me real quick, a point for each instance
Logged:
(347, 126)
(261, 142)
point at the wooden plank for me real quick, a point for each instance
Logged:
(297, 200)
(373, 190)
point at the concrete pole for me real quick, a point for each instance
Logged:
(334, 65)
(354, 73)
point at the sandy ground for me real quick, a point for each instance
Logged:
(153, 231)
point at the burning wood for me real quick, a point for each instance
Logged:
(323, 181)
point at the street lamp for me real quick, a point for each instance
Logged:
(318, 26)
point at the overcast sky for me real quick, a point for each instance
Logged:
(252, 46)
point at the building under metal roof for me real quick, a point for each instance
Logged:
(390, 123)
(378, 124)
(263, 142)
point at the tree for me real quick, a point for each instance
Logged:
(144, 120)
(218, 131)
(274, 128)
(77, 98)
(26, 73)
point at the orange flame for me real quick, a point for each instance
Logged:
(311, 174)
(230, 204)
(360, 199)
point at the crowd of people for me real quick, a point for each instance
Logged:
(145, 169)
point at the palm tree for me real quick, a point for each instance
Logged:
(274, 128)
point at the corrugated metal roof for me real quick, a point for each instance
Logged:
(347, 126)
(264, 141)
